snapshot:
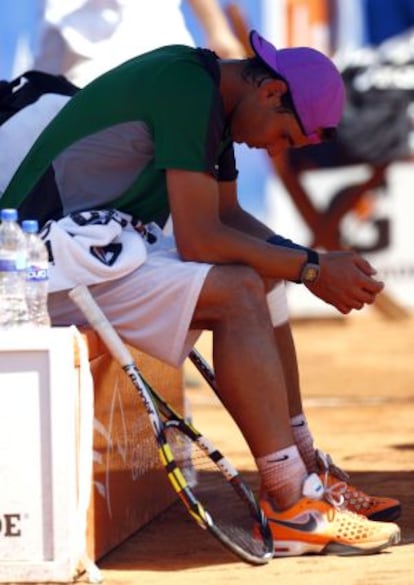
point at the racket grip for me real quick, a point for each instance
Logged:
(82, 297)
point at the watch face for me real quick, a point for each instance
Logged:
(310, 274)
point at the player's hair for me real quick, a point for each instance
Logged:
(255, 71)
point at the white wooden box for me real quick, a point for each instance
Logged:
(46, 419)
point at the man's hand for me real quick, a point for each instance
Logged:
(346, 281)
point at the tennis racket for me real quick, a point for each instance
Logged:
(211, 489)
(204, 368)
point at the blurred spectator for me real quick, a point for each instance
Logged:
(84, 38)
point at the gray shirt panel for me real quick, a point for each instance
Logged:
(103, 165)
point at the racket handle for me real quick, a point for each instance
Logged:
(82, 297)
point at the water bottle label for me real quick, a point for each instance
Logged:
(7, 265)
(37, 273)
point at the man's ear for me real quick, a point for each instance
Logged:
(273, 89)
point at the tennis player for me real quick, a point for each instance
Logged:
(155, 137)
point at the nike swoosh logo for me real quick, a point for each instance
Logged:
(301, 424)
(277, 460)
(309, 526)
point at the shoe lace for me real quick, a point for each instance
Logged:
(325, 461)
(334, 493)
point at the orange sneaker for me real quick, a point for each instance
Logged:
(354, 500)
(316, 525)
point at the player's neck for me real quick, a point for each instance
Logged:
(232, 85)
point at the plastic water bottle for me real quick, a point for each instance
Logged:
(37, 279)
(13, 306)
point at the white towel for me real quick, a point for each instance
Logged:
(89, 247)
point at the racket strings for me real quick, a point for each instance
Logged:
(226, 503)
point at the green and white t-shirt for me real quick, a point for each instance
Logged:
(110, 145)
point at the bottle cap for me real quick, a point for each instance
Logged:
(30, 226)
(9, 214)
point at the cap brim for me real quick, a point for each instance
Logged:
(264, 50)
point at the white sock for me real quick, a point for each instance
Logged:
(282, 474)
(304, 441)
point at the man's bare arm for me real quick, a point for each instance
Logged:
(207, 224)
(203, 236)
(234, 215)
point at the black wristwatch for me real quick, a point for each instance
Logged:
(310, 270)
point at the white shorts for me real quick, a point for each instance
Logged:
(152, 307)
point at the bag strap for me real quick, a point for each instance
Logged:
(27, 88)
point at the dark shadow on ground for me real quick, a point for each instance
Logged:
(173, 541)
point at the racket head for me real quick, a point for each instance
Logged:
(214, 492)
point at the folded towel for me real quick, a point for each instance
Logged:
(94, 246)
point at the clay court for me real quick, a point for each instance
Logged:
(357, 377)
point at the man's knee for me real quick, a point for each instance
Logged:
(230, 291)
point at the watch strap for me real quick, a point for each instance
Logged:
(313, 257)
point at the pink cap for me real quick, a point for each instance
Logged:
(315, 84)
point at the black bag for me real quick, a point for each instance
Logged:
(375, 127)
(28, 88)
(377, 123)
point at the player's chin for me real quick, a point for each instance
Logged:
(241, 137)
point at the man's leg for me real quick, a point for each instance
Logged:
(379, 508)
(300, 428)
(251, 384)
(278, 306)
(249, 374)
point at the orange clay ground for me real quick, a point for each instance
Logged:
(358, 384)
